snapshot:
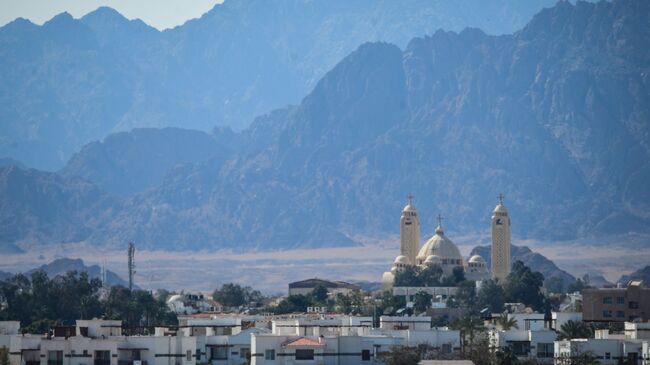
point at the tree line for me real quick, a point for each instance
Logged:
(40, 303)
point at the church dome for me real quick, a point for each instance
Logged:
(408, 208)
(441, 246)
(500, 208)
(401, 259)
(432, 260)
(477, 259)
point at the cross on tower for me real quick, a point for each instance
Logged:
(440, 220)
(500, 199)
(410, 198)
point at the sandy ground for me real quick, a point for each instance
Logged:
(270, 271)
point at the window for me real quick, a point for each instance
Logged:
(365, 355)
(620, 314)
(607, 313)
(608, 356)
(446, 348)
(102, 357)
(198, 354)
(520, 348)
(219, 353)
(545, 350)
(188, 355)
(55, 358)
(269, 354)
(245, 353)
(620, 300)
(304, 354)
(633, 305)
(607, 300)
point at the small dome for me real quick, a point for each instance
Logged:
(175, 298)
(432, 260)
(401, 259)
(476, 259)
(409, 208)
(439, 230)
(500, 208)
(393, 270)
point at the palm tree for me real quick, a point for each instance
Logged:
(468, 326)
(575, 329)
(506, 323)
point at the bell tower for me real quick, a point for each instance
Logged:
(500, 241)
(409, 231)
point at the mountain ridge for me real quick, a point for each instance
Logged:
(239, 60)
(455, 118)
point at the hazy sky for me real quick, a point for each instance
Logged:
(161, 14)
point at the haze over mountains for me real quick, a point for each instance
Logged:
(72, 81)
(555, 116)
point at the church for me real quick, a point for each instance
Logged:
(440, 250)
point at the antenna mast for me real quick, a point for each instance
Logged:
(131, 264)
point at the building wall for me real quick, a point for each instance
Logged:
(616, 305)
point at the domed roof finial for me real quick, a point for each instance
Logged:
(500, 199)
(439, 228)
(410, 198)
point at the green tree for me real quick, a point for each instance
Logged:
(293, 303)
(575, 329)
(430, 276)
(469, 327)
(525, 286)
(506, 323)
(554, 284)
(401, 355)
(319, 293)
(230, 295)
(408, 276)
(422, 301)
(491, 296)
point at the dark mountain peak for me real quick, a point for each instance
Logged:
(104, 14)
(60, 19)
(17, 25)
(107, 22)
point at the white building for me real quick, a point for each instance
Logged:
(605, 351)
(526, 344)
(101, 342)
(500, 241)
(345, 340)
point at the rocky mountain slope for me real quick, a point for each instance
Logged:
(641, 274)
(554, 116)
(534, 260)
(72, 81)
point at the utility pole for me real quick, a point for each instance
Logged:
(131, 264)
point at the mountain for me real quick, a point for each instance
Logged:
(44, 207)
(73, 81)
(63, 265)
(554, 116)
(127, 163)
(534, 260)
(641, 274)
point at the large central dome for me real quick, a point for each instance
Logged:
(441, 246)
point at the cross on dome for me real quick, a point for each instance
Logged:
(439, 229)
(410, 198)
(500, 198)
